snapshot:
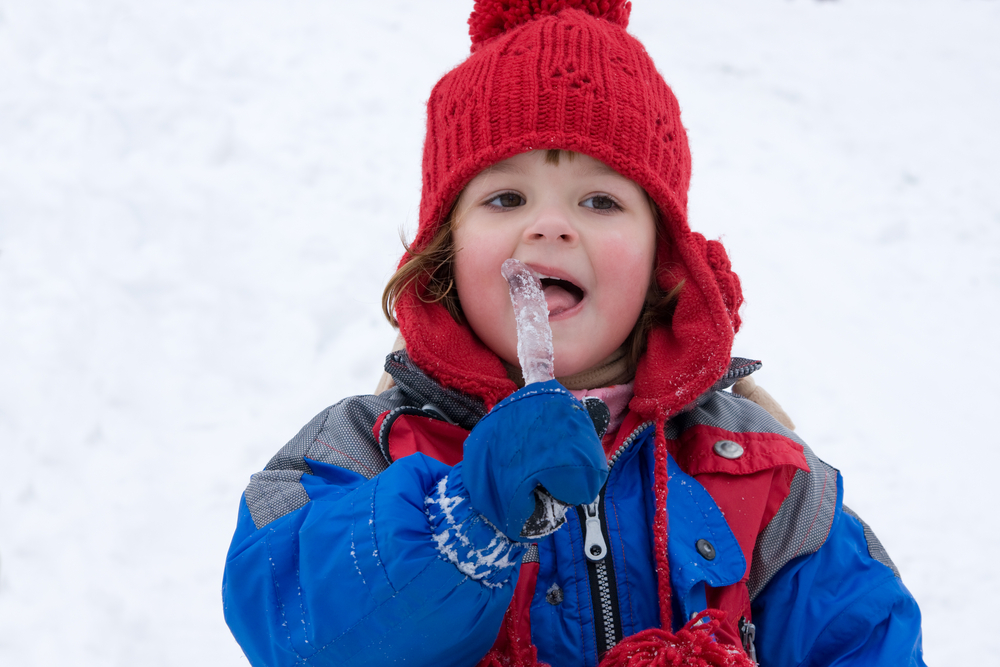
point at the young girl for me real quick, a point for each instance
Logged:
(634, 511)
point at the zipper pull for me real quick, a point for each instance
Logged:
(593, 542)
(748, 633)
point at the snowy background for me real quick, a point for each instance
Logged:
(200, 201)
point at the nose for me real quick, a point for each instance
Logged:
(551, 224)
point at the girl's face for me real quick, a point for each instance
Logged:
(587, 232)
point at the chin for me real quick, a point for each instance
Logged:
(571, 359)
(574, 365)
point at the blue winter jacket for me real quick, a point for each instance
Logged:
(344, 556)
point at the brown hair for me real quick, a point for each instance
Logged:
(432, 269)
(657, 311)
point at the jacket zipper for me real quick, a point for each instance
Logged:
(748, 633)
(601, 571)
(600, 567)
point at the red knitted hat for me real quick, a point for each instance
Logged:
(546, 74)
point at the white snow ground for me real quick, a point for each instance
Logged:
(199, 204)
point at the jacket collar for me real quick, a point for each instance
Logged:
(421, 390)
(466, 410)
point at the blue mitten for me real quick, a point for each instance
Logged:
(533, 455)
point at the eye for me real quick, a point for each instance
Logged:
(506, 200)
(600, 203)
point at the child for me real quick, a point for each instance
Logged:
(632, 513)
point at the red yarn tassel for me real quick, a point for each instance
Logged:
(692, 646)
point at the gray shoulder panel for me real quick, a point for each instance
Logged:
(272, 494)
(801, 524)
(341, 435)
(345, 438)
(730, 412)
(875, 548)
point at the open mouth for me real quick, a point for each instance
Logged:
(560, 295)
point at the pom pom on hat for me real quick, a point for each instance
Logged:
(494, 17)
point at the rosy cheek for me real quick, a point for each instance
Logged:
(474, 270)
(484, 296)
(628, 268)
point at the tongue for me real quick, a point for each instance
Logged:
(559, 299)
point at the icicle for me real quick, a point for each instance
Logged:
(534, 335)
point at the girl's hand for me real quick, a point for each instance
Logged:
(540, 436)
